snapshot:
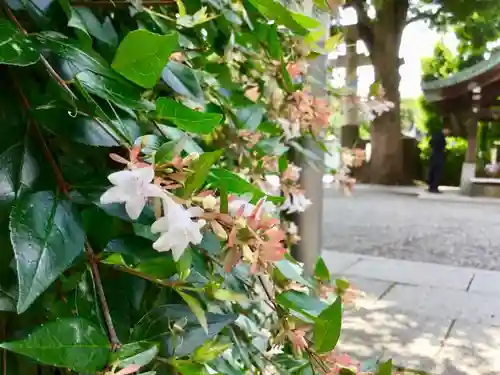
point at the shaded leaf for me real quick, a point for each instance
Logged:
(292, 271)
(46, 237)
(70, 343)
(189, 145)
(277, 12)
(307, 307)
(186, 118)
(327, 327)
(196, 308)
(201, 169)
(142, 55)
(156, 325)
(183, 81)
(15, 47)
(251, 117)
(84, 19)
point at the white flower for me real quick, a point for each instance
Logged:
(132, 187)
(292, 228)
(291, 129)
(244, 201)
(295, 202)
(177, 228)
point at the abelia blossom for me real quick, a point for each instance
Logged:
(132, 187)
(179, 228)
(295, 202)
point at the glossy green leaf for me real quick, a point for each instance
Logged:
(189, 145)
(186, 118)
(7, 301)
(277, 12)
(273, 40)
(321, 270)
(71, 343)
(16, 48)
(196, 308)
(141, 357)
(201, 169)
(157, 325)
(46, 237)
(305, 21)
(142, 55)
(327, 327)
(305, 306)
(84, 19)
(209, 351)
(292, 271)
(166, 152)
(183, 81)
(93, 73)
(251, 117)
(232, 183)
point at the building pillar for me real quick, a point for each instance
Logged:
(469, 166)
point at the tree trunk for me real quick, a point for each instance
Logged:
(386, 162)
(382, 37)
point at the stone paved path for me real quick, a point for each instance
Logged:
(436, 318)
(402, 226)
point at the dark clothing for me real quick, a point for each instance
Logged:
(437, 160)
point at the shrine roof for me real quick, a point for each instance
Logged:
(482, 74)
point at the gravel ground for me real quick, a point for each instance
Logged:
(405, 227)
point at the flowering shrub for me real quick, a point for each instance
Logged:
(144, 172)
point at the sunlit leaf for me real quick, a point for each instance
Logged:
(142, 55)
(327, 327)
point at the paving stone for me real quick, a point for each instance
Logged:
(338, 262)
(380, 329)
(373, 289)
(470, 349)
(446, 303)
(403, 227)
(415, 273)
(485, 282)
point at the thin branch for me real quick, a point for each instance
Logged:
(113, 337)
(49, 68)
(425, 16)
(63, 186)
(365, 24)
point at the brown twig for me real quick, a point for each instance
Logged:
(113, 337)
(63, 186)
(61, 82)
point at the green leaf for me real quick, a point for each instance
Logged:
(273, 39)
(142, 55)
(286, 80)
(141, 359)
(7, 302)
(201, 169)
(183, 81)
(85, 20)
(158, 322)
(184, 264)
(272, 146)
(209, 351)
(307, 307)
(251, 117)
(93, 73)
(328, 326)
(223, 179)
(71, 343)
(175, 134)
(186, 118)
(277, 12)
(16, 48)
(186, 367)
(321, 270)
(196, 308)
(385, 368)
(46, 237)
(292, 271)
(307, 22)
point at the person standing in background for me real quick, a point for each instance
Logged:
(438, 159)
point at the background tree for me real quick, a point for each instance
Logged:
(380, 25)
